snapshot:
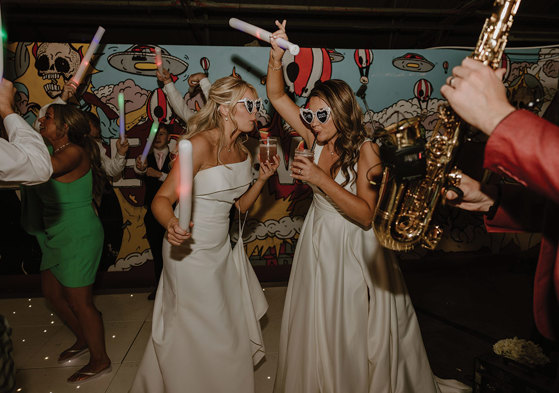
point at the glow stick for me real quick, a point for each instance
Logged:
(121, 111)
(262, 34)
(185, 185)
(159, 60)
(77, 78)
(151, 137)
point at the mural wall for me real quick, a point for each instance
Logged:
(391, 85)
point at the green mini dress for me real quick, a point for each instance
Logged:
(68, 231)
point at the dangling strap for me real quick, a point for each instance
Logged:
(242, 227)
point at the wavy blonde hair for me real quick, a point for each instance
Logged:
(348, 120)
(225, 91)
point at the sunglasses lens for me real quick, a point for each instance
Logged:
(249, 105)
(322, 115)
(258, 105)
(307, 115)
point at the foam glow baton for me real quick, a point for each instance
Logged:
(77, 78)
(185, 184)
(262, 34)
(151, 137)
(159, 60)
(121, 112)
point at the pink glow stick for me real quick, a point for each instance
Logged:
(159, 60)
(262, 34)
(77, 78)
(185, 184)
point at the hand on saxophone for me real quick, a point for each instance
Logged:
(477, 95)
(477, 197)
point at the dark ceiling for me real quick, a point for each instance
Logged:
(395, 24)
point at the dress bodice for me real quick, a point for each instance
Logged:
(323, 201)
(215, 190)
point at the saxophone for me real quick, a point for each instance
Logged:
(416, 172)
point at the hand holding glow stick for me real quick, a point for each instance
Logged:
(151, 137)
(185, 184)
(121, 112)
(158, 60)
(262, 34)
(77, 78)
(1, 48)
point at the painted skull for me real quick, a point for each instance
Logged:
(54, 61)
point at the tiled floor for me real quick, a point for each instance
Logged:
(462, 307)
(39, 336)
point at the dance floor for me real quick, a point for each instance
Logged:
(463, 307)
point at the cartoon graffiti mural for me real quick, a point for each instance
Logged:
(399, 86)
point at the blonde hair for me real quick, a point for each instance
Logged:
(226, 91)
(348, 120)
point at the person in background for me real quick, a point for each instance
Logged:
(24, 160)
(60, 214)
(175, 98)
(154, 172)
(525, 148)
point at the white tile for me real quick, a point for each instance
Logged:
(265, 374)
(28, 311)
(124, 307)
(122, 382)
(271, 322)
(54, 380)
(138, 347)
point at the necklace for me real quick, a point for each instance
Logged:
(61, 147)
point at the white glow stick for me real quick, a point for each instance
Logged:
(77, 78)
(121, 111)
(262, 34)
(185, 184)
(151, 137)
(159, 60)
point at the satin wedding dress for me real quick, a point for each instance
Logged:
(348, 323)
(206, 334)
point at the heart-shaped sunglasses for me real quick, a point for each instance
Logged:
(322, 115)
(251, 105)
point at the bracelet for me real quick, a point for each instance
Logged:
(490, 214)
(275, 68)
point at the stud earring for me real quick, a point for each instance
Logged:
(226, 119)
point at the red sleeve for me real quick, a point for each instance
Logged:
(526, 148)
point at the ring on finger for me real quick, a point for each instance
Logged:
(300, 171)
(450, 80)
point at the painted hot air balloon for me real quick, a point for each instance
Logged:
(422, 90)
(445, 66)
(363, 58)
(205, 64)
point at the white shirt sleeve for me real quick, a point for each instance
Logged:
(176, 100)
(43, 111)
(114, 165)
(25, 159)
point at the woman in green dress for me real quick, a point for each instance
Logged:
(60, 213)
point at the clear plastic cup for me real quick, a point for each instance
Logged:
(268, 149)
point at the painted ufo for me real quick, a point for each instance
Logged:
(140, 60)
(412, 62)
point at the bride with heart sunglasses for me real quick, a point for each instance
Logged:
(348, 324)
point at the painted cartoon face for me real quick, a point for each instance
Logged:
(56, 62)
(323, 131)
(245, 119)
(47, 126)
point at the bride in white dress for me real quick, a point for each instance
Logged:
(348, 323)
(205, 333)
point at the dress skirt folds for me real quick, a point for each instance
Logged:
(205, 332)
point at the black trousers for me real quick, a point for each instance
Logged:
(154, 235)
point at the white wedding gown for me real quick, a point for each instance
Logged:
(348, 323)
(205, 332)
